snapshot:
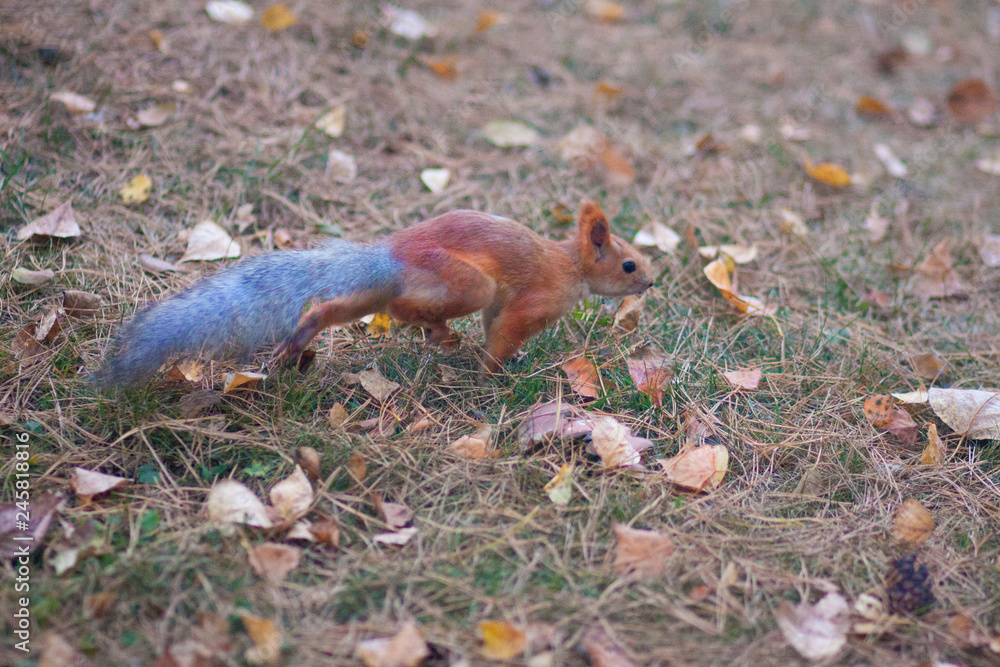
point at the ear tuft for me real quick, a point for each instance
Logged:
(592, 224)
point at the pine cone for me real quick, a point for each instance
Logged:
(908, 589)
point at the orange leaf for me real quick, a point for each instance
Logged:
(699, 468)
(607, 92)
(869, 106)
(487, 19)
(972, 101)
(501, 640)
(583, 377)
(934, 452)
(651, 377)
(444, 68)
(619, 172)
(278, 17)
(880, 410)
(828, 173)
(913, 523)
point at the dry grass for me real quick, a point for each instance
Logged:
(812, 487)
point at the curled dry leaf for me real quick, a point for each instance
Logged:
(208, 241)
(273, 561)
(81, 304)
(816, 631)
(718, 274)
(918, 397)
(970, 412)
(29, 277)
(657, 234)
(186, 370)
(377, 385)
(326, 532)
(27, 350)
(90, 483)
(277, 18)
(744, 379)
(501, 640)
(627, 315)
(828, 173)
(137, 190)
(903, 427)
(266, 638)
(341, 167)
(436, 180)
(935, 277)
(913, 523)
(242, 382)
(475, 446)
(396, 515)
(602, 650)
(583, 377)
(740, 254)
(509, 133)
(407, 648)
(697, 469)
(333, 121)
(651, 376)
(41, 509)
(229, 11)
(232, 502)
(154, 265)
(59, 222)
(292, 496)
(50, 325)
(611, 442)
(560, 488)
(972, 101)
(396, 538)
(604, 10)
(934, 452)
(644, 552)
(870, 106)
(75, 103)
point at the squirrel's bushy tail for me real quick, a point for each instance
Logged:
(255, 303)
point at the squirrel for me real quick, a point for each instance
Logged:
(450, 266)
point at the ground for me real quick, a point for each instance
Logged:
(808, 501)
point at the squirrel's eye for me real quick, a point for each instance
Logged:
(628, 267)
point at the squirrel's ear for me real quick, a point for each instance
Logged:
(593, 225)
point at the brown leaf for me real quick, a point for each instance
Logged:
(627, 315)
(935, 277)
(602, 650)
(869, 106)
(651, 376)
(273, 561)
(928, 365)
(60, 222)
(934, 452)
(50, 325)
(357, 467)
(719, 275)
(903, 427)
(610, 440)
(396, 515)
(887, 61)
(308, 458)
(292, 496)
(644, 552)
(880, 410)
(27, 350)
(744, 379)
(81, 304)
(337, 415)
(377, 385)
(697, 469)
(41, 509)
(913, 523)
(90, 483)
(97, 605)
(969, 412)
(971, 101)
(266, 637)
(475, 446)
(816, 631)
(407, 648)
(186, 370)
(583, 377)
(553, 419)
(326, 532)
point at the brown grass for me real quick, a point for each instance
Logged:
(812, 487)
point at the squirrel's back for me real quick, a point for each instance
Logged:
(257, 302)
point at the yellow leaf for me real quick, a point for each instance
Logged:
(137, 190)
(828, 173)
(333, 121)
(604, 10)
(934, 451)
(501, 640)
(560, 487)
(277, 18)
(381, 325)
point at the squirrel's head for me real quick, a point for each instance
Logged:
(611, 265)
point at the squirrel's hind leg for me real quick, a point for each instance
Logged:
(341, 310)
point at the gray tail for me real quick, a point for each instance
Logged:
(236, 311)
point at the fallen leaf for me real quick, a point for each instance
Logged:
(917, 397)
(644, 552)
(137, 190)
(197, 402)
(380, 324)
(475, 446)
(869, 106)
(933, 454)
(553, 419)
(602, 650)
(408, 24)
(75, 103)
(396, 538)
(991, 167)
(50, 325)
(208, 241)
(740, 254)
(377, 385)
(989, 250)
(333, 121)
(607, 92)
(357, 467)
(266, 638)
(972, 413)
(232, 502)
(559, 489)
(155, 115)
(922, 112)
(893, 164)
(487, 19)
(278, 17)
(583, 377)
(718, 274)
(242, 382)
(582, 147)
(326, 532)
(273, 561)
(154, 265)
(444, 68)
(229, 11)
(828, 173)
(27, 350)
(29, 277)
(816, 631)
(292, 496)
(337, 415)
(744, 379)
(651, 376)
(407, 648)
(396, 515)
(792, 224)
(186, 370)
(610, 441)
(935, 277)
(697, 469)
(876, 225)
(604, 10)
(913, 523)
(972, 101)
(508, 133)
(880, 409)
(903, 427)
(60, 222)
(159, 40)
(627, 315)
(656, 234)
(91, 483)
(81, 304)
(308, 458)
(618, 171)
(13, 529)
(501, 640)
(341, 167)
(436, 180)
(928, 365)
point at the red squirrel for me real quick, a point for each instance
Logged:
(447, 267)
